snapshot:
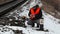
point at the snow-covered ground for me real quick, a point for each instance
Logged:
(50, 23)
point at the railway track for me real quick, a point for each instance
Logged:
(11, 20)
(8, 7)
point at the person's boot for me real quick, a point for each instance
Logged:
(33, 24)
(37, 25)
(46, 30)
(41, 28)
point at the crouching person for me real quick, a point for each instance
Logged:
(35, 15)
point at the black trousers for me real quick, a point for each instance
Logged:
(33, 24)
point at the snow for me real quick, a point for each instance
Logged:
(4, 30)
(50, 23)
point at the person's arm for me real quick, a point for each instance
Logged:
(41, 13)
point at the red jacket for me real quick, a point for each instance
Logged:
(36, 11)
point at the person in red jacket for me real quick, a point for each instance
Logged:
(35, 15)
